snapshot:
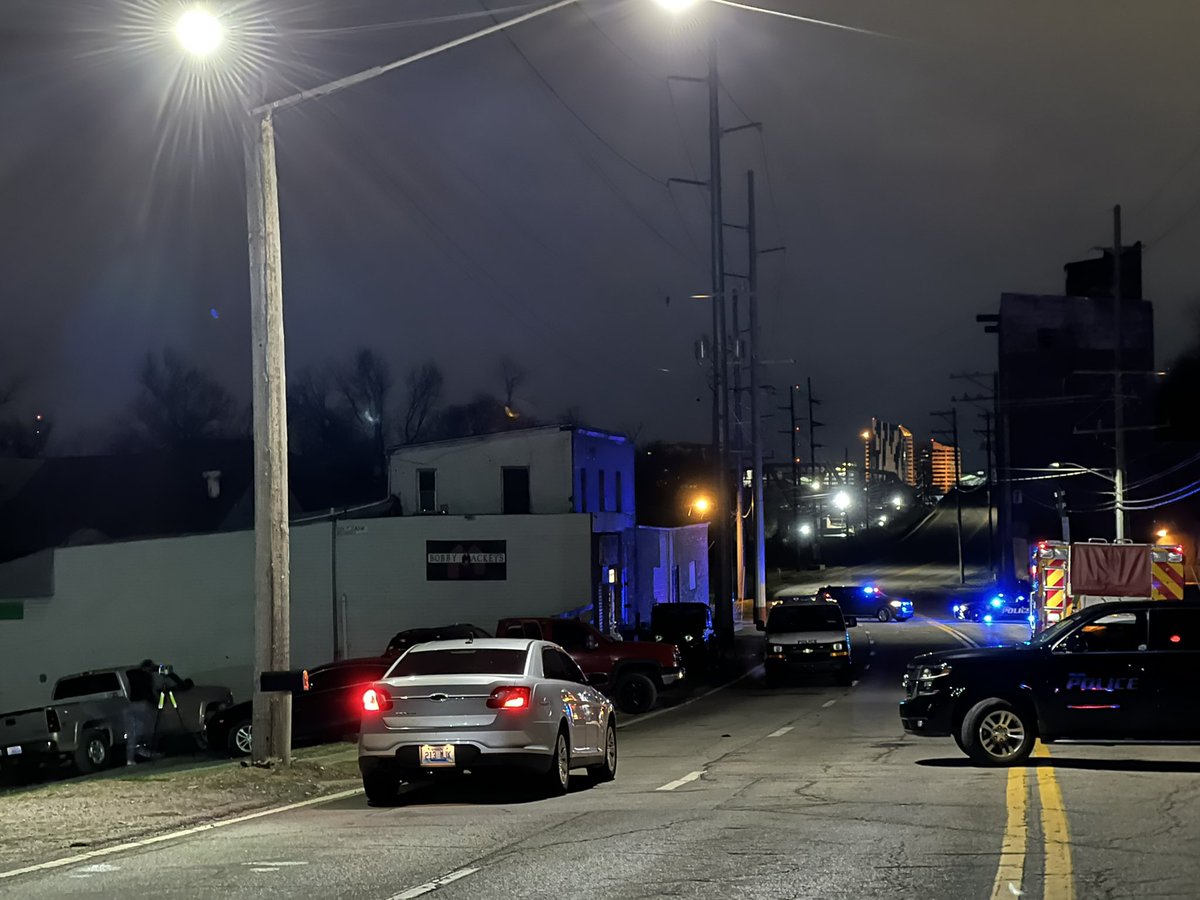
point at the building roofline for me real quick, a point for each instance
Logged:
(511, 433)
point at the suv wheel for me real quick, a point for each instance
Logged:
(884, 614)
(93, 753)
(636, 692)
(996, 733)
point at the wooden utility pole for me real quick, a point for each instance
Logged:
(1118, 399)
(272, 713)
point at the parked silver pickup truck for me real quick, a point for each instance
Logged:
(94, 714)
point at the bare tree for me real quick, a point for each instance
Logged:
(177, 404)
(365, 386)
(514, 375)
(423, 389)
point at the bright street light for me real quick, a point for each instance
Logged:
(199, 32)
(866, 435)
(805, 530)
(841, 500)
(1162, 533)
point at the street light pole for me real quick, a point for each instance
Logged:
(721, 424)
(272, 713)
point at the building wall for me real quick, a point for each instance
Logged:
(469, 471)
(189, 601)
(570, 470)
(608, 458)
(660, 552)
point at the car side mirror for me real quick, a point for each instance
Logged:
(590, 642)
(851, 622)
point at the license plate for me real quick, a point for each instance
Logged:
(13, 751)
(437, 755)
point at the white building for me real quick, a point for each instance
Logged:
(550, 470)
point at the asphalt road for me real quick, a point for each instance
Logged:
(806, 791)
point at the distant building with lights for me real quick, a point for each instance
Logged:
(945, 463)
(890, 451)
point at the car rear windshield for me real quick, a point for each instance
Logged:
(466, 661)
(83, 685)
(817, 617)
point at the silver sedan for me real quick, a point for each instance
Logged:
(484, 703)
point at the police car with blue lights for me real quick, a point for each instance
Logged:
(988, 606)
(1110, 673)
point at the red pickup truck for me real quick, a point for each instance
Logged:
(631, 672)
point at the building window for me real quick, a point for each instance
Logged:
(516, 490)
(603, 493)
(692, 575)
(426, 490)
(582, 505)
(620, 505)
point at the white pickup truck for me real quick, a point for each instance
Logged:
(93, 714)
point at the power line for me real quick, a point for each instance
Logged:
(592, 163)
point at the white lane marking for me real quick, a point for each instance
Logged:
(89, 871)
(780, 732)
(174, 835)
(627, 723)
(872, 653)
(277, 865)
(828, 703)
(430, 886)
(866, 668)
(680, 782)
(854, 683)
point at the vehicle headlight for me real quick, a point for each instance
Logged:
(688, 638)
(928, 674)
(658, 638)
(778, 648)
(955, 608)
(839, 646)
(895, 603)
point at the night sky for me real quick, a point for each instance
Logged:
(465, 209)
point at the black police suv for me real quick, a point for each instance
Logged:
(867, 601)
(991, 605)
(1115, 672)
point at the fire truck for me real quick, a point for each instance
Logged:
(1069, 577)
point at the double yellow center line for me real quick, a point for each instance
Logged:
(1058, 875)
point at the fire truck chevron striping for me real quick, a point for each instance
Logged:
(1054, 596)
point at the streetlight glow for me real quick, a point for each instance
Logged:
(701, 505)
(676, 6)
(199, 32)
(841, 500)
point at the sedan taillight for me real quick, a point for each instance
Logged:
(512, 697)
(376, 700)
